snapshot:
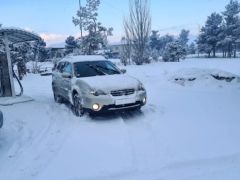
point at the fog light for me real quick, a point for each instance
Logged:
(144, 100)
(96, 107)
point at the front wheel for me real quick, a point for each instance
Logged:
(77, 105)
(57, 98)
(1, 119)
(137, 109)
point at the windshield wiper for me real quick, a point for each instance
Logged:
(97, 69)
(115, 71)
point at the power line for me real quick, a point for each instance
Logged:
(106, 2)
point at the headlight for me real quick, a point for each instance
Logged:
(141, 87)
(96, 107)
(144, 100)
(97, 92)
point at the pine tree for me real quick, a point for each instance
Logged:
(1, 43)
(203, 46)
(87, 20)
(184, 37)
(192, 48)
(154, 40)
(213, 30)
(71, 44)
(154, 45)
(163, 41)
(209, 37)
(231, 17)
(42, 52)
(174, 52)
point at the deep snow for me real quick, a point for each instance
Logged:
(188, 131)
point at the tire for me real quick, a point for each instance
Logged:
(77, 106)
(1, 119)
(137, 109)
(57, 98)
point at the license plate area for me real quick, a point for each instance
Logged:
(125, 101)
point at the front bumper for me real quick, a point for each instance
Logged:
(122, 107)
(109, 103)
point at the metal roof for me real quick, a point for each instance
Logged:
(16, 35)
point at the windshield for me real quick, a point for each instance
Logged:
(95, 68)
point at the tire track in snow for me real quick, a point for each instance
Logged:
(142, 140)
(34, 148)
(213, 168)
(54, 138)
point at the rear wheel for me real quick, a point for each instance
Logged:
(77, 106)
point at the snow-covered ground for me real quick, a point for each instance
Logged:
(189, 130)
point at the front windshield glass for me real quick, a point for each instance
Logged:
(95, 68)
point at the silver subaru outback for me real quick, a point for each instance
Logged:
(94, 84)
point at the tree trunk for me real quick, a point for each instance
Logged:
(229, 51)
(235, 51)
(214, 52)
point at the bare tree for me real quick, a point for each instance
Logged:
(126, 50)
(137, 30)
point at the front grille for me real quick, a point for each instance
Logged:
(121, 107)
(124, 92)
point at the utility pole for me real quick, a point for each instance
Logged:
(80, 22)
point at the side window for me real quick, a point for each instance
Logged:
(67, 68)
(60, 67)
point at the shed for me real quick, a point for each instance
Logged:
(11, 36)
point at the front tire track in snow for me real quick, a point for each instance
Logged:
(36, 147)
(141, 139)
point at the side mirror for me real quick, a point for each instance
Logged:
(124, 71)
(66, 75)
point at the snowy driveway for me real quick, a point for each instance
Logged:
(185, 132)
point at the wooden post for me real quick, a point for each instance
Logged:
(7, 84)
(5, 78)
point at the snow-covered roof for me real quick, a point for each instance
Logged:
(116, 43)
(16, 35)
(57, 45)
(74, 59)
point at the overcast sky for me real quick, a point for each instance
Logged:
(52, 19)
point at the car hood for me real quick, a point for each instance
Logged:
(111, 82)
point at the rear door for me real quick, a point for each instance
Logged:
(57, 78)
(66, 81)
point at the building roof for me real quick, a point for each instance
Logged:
(16, 35)
(74, 59)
